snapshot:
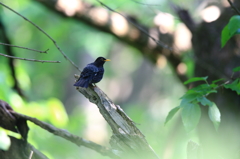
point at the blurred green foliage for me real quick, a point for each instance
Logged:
(145, 92)
(235, 86)
(5, 141)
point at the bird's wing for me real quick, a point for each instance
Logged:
(89, 71)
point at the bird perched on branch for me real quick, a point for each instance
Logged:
(92, 73)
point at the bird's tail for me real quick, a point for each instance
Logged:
(82, 83)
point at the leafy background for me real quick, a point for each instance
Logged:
(146, 92)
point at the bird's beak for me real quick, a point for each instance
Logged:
(107, 60)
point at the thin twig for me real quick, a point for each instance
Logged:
(55, 43)
(236, 10)
(146, 3)
(24, 48)
(13, 57)
(137, 26)
(31, 154)
(70, 137)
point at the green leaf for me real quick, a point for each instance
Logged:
(235, 86)
(5, 141)
(236, 69)
(191, 114)
(234, 25)
(232, 28)
(195, 79)
(214, 86)
(204, 89)
(171, 114)
(197, 94)
(188, 97)
(214, 115)
(218, 80)
(225, 36)
(204, 101)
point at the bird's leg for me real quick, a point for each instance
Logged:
(94, 85)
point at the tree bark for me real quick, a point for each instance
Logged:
(126, 136)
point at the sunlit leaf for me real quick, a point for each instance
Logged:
(5, 141)
(214, 115)
(236, 69)
(232, 28)
(171, 114)
(191, 114)
(235, 86)
(195, 79)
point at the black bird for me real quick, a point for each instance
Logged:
(92, 73)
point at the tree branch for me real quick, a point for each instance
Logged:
(31, 154)
(25, 48)
(20, 148)
(126, 136)
(11, 120)
(161, 44)
(19, 58)
(236, 10)
(70, 137)
(147, 4)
